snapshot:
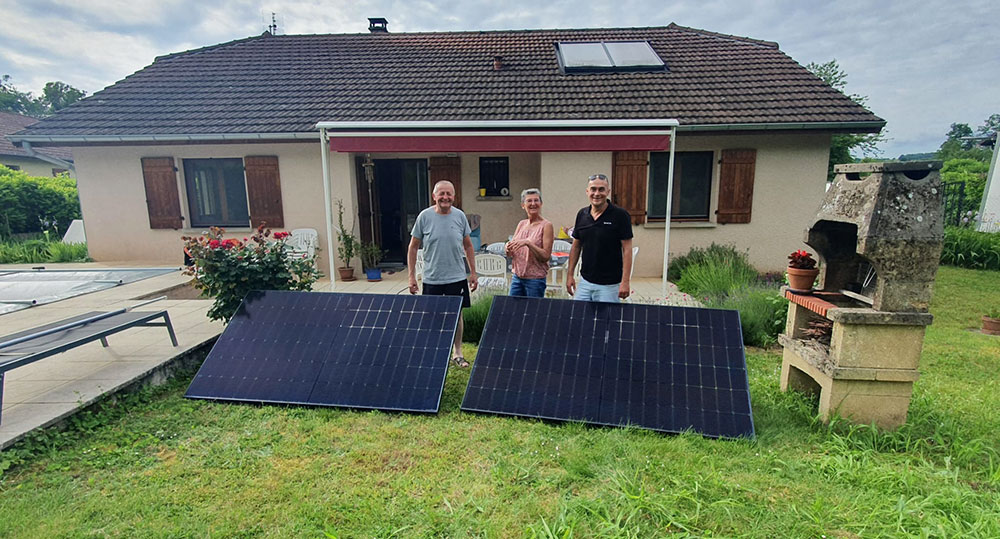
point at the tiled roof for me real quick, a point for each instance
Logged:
(12, 123)
(285, 84)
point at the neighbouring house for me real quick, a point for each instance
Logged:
(230, 135)
(51, 161)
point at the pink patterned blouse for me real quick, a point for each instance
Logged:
(526, 266)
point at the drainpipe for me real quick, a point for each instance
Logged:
(26, 146)
(670, 199)
(324, 142)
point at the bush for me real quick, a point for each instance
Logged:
(715, 271)
(969, 248)
(697, 255)
(227, 269)
(27, 201)
(762, 313)
(973, 174)
(36, 251)
(475, 317)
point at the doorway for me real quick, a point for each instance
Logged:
(389, 206)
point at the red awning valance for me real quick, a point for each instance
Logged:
(499, 143)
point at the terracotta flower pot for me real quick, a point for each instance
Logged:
(801, 280)
(346, 274)
(991, 326)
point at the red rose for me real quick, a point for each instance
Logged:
(214, 244)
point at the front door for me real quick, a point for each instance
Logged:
(390, 204)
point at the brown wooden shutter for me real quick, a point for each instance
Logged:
(628, 183)
(163, 202)
(736, 186)
(264, 191)
(447, 168)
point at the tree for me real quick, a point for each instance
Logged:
(842, 147)
(56, 95)
(59, 95)
(954, 147)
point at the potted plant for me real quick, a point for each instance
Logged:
(371, 254)
(991, 322)
(802, 271)
(347, 246)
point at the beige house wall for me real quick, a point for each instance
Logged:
(788, 186)
(113, 198)
(31, 167)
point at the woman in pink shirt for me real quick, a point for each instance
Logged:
(531, 248)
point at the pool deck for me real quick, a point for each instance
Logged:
(48, 391)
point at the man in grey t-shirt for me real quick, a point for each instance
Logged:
(443, 232)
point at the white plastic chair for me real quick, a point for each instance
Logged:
(635, 254)
(492, 271)
(497, 248)
(557, 274)
(303, 241)
(418, 269)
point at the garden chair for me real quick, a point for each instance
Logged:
(556, 279)
(497, 248)
(492, 271)
(302, 241)
(41, 342)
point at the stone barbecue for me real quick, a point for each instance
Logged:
(878, 234)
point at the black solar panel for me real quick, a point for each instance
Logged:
(669, 369)
(386, 352)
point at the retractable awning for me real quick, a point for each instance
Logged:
(500, 136)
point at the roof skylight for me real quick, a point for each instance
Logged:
(608, 56)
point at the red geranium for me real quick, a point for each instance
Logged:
(801, 260)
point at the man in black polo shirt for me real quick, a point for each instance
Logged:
(603, 233)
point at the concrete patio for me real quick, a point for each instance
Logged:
(48, 391)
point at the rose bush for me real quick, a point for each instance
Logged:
(227, 269)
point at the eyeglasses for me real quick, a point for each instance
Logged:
(597, 177)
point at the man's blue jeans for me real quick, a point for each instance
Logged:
(587, 291)
(534, 288)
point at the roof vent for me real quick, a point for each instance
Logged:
(378, 25)
(497, 63)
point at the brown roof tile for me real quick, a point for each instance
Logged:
(279, 84)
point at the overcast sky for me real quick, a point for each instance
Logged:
(922, 64)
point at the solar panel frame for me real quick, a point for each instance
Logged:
(339, 342)
(709, 394)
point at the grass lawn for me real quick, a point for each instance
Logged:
(156, 464)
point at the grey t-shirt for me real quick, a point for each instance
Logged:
(441, 237)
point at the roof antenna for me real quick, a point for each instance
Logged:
(273, 27)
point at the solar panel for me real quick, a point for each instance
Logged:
(668, 369)
(385, 352)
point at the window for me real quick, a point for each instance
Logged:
(216, 192)
(608, 56)
(692, 185)
(494, 176)
(12, 167)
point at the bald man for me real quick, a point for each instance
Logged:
(443, 232)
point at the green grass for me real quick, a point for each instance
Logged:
(158, 465)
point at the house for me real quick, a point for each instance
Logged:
(51, 161)
(230, 135)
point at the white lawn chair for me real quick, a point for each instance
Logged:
(497, 248)
(556, 277)
(418, 269)
(303, 241)
(492, 271)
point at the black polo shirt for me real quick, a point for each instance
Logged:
(601, 240)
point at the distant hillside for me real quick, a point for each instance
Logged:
(917, 156)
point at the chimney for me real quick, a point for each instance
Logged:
(378, 25)
(497, 63)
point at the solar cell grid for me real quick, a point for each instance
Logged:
(663, 368)
(328, 349)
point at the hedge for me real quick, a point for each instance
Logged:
(27, 201)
